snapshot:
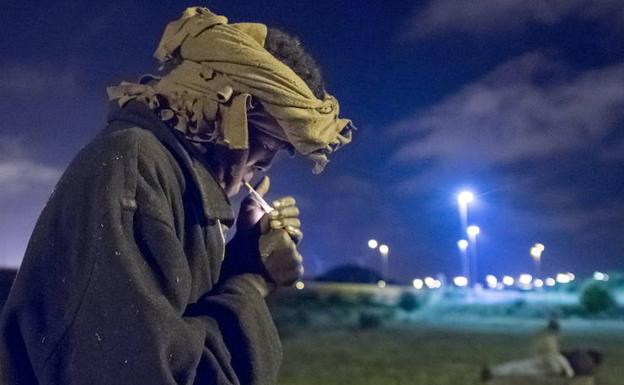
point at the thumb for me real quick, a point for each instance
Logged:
(263, 186)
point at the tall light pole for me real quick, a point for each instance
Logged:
(472, 232)
(536, 253)
(464, 198)
(383, 251)
(462, 245)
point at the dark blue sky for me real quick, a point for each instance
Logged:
(521, 101)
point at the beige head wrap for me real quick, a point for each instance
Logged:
(217, 69)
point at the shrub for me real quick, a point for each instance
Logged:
(596, 298)
(408, 301)
(368, 320)
(336, 299)
(366, 299)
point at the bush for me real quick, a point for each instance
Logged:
(366, 299)
(336, 299)
(408, 301)
(369, 320)
(596, 298)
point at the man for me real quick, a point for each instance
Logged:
(546, 362)
(127, 278)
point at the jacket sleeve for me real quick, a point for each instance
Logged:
(133, 323)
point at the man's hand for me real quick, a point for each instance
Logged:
(281, 260)
(274, 236)
(285, 215)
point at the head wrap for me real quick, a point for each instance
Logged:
(215, 72)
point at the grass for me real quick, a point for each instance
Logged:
(401, 355)
(444, 341)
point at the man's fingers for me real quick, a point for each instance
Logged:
(295, 234)
(285, 222)
(291, 222)
(263, 186)
(289, 211)
(284, 202)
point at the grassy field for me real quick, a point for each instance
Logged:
(419, 355)
(329, 336)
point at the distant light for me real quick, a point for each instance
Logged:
(465, 197)
(562, 278)
(550, 281)
(473, 230)
(381, 284)
(598, 276)
(418, 283)
(384, 249)
(571, 276)
(491, 280)
(538, 282)
(372, 243)
(462, 244)
(525, 279)
(537, 250)
(460, 281)
(437, 284)
(430, 282)
(508, 281)
(299, 285)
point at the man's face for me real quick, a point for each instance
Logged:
(262, 150)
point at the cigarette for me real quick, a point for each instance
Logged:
(265, 206)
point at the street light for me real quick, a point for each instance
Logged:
(462, 245)
(525, 279)
(536, 253)
(491, 281)
(463, 199)
(460, 281)
(383, 251)
(430, 282)
(473, 231)
(562, 278)
(508, 281)
(372, 243)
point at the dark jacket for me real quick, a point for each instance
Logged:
(119, 284)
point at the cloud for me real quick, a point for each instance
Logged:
(490, 16)
(20, 174)
(523, 110)
(31, 80)
(544, 138)
(549, 204)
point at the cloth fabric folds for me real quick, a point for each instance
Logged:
(216, 70)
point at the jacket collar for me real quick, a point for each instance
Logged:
(215, 203)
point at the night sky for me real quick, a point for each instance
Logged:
(521, 101)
